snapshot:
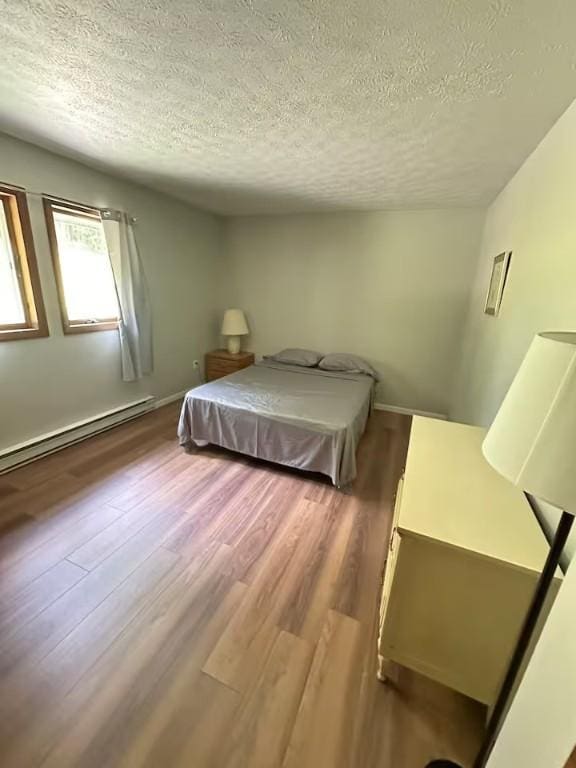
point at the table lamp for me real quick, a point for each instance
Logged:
(532, 442)
(234, 325)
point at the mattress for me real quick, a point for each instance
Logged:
(300, 417)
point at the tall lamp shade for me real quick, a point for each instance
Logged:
(532, 442)
(234, 325)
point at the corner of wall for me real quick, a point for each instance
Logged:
(457, 410)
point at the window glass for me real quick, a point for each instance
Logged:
(86, 287)
(12, 307)
(22, 314)
(87, 278)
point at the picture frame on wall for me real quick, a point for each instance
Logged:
(500, 267)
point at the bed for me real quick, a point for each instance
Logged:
(306, 418)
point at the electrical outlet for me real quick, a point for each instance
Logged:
(195, 364)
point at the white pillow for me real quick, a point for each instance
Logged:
(305, 357)
(342, 361)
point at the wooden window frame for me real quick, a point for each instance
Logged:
(15, 206)
(72, 209)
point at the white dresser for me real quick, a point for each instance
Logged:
(465, 553)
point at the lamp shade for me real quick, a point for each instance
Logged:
(234, 323)
(532, 440)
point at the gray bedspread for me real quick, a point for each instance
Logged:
(300, 417)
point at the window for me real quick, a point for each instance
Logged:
(22, 312)
(84, 276)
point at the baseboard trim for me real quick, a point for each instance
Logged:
(377, 406)
(409, 411)
(171, 398)
(50, 442)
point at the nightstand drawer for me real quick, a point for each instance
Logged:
(221, 363)
(216, 369)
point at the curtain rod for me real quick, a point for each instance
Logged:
(59, 199)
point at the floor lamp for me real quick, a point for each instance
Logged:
(532, 442)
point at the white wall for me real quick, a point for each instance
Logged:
(392, 287)
(540, 730)
(535, 218)
(49, 383)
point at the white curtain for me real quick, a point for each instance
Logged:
(135, 325)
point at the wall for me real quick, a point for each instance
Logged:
(49, 383)
(390, 286)
(540, 730)
(535, 218)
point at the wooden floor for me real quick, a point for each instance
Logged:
(165, 609)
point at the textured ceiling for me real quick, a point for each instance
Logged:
(248, 106)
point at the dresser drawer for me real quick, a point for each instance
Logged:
(457, 583)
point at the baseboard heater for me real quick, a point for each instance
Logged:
(23, 453)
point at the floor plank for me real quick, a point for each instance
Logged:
(53, 676)
(191, 729)
(17, 609)
(39, 636)
(161, 608)
(260, 734)
(240, 652)
(322, 734)
(159, 673)
(19, 571)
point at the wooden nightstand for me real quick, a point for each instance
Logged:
(220, 363)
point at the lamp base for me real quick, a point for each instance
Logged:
(233, 344)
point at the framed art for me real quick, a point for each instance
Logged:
(497, 282)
